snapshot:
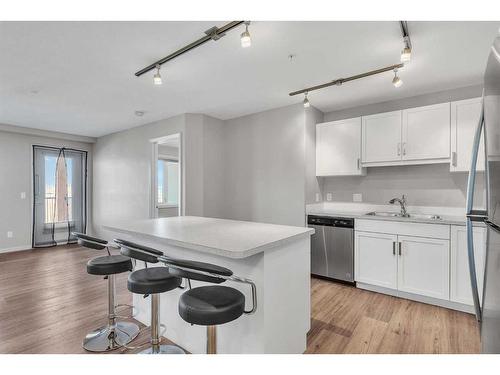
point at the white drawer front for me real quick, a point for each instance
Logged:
(441, 231)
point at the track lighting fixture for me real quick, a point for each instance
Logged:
(406, 55)
(396, 81)
(212, 34)
(341, 81)
(306, 102)
(246, 40)
(406, 52)
(157, 77)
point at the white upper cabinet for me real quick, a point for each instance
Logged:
(426, 132)
(381, 137)
(338, 148)
(464, 120)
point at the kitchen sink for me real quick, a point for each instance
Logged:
(384, 214)
(409, 216)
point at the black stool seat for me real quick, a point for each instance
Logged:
(90, 242)
(211, 305)
(109, 265)
(152, 280)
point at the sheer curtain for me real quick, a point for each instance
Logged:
(59, 195)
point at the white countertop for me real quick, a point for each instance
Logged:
(449, 216)
(228, 238)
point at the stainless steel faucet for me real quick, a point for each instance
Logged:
(402, 203)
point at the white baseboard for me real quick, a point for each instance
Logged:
(415, 297)
(15, 248)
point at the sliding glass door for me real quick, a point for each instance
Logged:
(59, 195)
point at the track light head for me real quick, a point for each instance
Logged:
(396, 81)
(406, 55)
(157, 77)
(246, 40)
(306, 102)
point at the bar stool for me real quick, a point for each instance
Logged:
(210, 305)
(116, 332)
(151, 281)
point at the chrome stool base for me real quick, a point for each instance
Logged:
(163, 349)
(109, 338)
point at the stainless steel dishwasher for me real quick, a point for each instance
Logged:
(332, 247)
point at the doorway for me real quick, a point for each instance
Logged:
(167, 177)
(59, 195)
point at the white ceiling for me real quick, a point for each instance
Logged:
(78, 77)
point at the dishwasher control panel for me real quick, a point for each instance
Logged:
(340, 222)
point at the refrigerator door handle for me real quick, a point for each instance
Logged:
(469, 210)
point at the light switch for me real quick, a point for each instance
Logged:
(23, 195)
(357, 197)
(318, 197)
(10, 234)
(329, 197)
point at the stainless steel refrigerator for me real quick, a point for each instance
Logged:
(487, 305)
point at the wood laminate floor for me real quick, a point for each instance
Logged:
(350, 320)
(48, 303)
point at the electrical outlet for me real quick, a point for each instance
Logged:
(329, 197)
(10, 234)
(318, 197)
(357, 197)
(23, 195)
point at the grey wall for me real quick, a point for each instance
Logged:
(122, 169)
(415, 101)
(214, 169)
(122, 172)
(424, 184)
(312, 117)
(265, 166)
(16, 177)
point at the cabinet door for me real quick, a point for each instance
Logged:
(464, 120)
(381, 135)
(426, 132)
(423, 266)
(338, 148)
(460, 288)
(375, 259)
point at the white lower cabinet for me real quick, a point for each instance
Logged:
(425, 262)
(423, 266)
(409, 264)
(376, 260)
(460, 288)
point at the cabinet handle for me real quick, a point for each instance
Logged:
(393, 248)
(454, 158)
(404, 148)
(399, 149)
(359, 165)
(399, 248)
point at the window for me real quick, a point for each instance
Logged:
(168, 182)
(55, 209)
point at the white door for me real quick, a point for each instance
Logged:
(423, 266)
(426, 132)
(464, 120)
(338, 148)
(381, 137)
(460, 288)
(375, 259)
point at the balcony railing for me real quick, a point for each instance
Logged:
(50, 210)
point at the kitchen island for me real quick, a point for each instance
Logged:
(275, 257)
